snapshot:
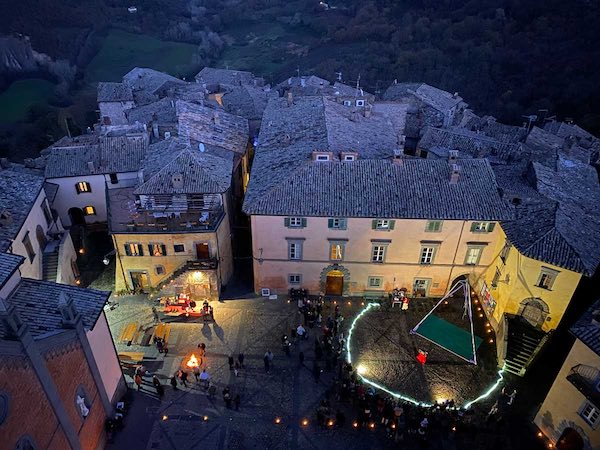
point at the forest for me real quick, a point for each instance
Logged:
(506, 58)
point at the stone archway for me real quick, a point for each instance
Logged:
(534, 310)
(572, 437)
(337, 271)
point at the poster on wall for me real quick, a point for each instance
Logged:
(488, 302)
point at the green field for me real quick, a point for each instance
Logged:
(21, 95)
(122, 51)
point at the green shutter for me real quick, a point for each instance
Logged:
(330, 223)
(304, 222)
(127, 252)
(164, 249)
(491, 227)
(150, 250)
(286, 222)
(343, 224)
(473, 225)
(374, 224)
(392, 223)
(141, 250)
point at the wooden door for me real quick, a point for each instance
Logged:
(139, 280)
(334, 285)
(202, 252)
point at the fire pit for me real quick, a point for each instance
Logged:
(192, 362)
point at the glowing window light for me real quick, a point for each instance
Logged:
(397, 394)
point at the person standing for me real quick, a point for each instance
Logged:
(138, 380)
(174, 382)
(230, 360)
(236, 368)
(205, 378)
(227, 397)
(196, 371)
(301, 332)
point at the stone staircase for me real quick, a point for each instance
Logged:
(524, 341)
(50, 265)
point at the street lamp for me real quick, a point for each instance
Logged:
(105, 260)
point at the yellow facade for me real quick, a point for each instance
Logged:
(564, 403)
(516, 279)
(157, 268)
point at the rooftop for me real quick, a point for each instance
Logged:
(37, 304)
(9, 264)
(18, 192)
(161, 111)
(437, 98)
(211, 75)
(587, 328)
(114, 92)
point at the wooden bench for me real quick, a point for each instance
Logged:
(163, 331)
(129, 333)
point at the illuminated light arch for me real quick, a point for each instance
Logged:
(399, 395)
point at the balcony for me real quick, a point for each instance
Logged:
(125, 216)
(585, 379)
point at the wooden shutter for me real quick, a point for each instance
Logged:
(473, 226)
(286, 222)
(77, 188)
(392, 223)
(330, 223)
(127, 250)
(141, 249)
(164, 249)
(491, 227)
(303, 222)
(343, 224)
(374, 224)
(150, 252)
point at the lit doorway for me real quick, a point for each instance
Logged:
(334, 284)
(139, 280)
(202, 251)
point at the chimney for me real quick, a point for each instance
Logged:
(455, 174)
(155, 130)
(5, 218)
(290, 98)
(67, 310)
(216, 118)
(452, 156)
(91, 167)
(302, 82)
(367, 111)
(398, 156)
(177, 181)
(11, 320)
(455, 95)
(401, 142)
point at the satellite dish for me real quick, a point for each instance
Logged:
(201, 147)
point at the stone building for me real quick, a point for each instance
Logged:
(59, 373)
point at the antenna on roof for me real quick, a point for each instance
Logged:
(358, 85)
(531, 119)
(339, 76)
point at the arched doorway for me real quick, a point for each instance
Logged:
(456, 280)
(570, 439)
(534, 311)
(334, 283)
(41, 237)
(77, 217)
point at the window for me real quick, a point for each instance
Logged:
(46, 212)
(473, 255)
(347, 103)
(336, 251)
(375, 282)
(294, 278)
(83, 187)
(590, 413)
(482, 227)
(157, 250)
(295, 222)
(322, 158)
(159, 270)
(337, 224)
(496, 278)
(28, 247)
(114, 179)
(378, 253)
(360, 103)
(380, 224)
(433, 226)
(547, 278)
(427, 254)
(89, 211)
(505, 251)
(349, 157)
(295, 249)
(132, 249)
(179, 248)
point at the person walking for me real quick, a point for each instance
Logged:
(230, 360)
(301, 332)
(236, 368)
(227, 397)
(138, 381)
(160, 390)
(241, 360)
(205, 378)
(174, 382)
(182, 375)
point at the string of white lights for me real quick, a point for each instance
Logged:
(400, 395)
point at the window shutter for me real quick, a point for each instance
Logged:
(127, 251)
(304, 222)
(330, 223)
(374, 224)
(343, 224)
(77, 188)
(491, 226)
(150, 252)
(473, 226)
(286, 222)
(141, 249)
(164, 249)
(392, 223)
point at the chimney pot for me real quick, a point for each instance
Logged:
(290, 99)
(452, 156)
(216, 118)
(455, 174)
